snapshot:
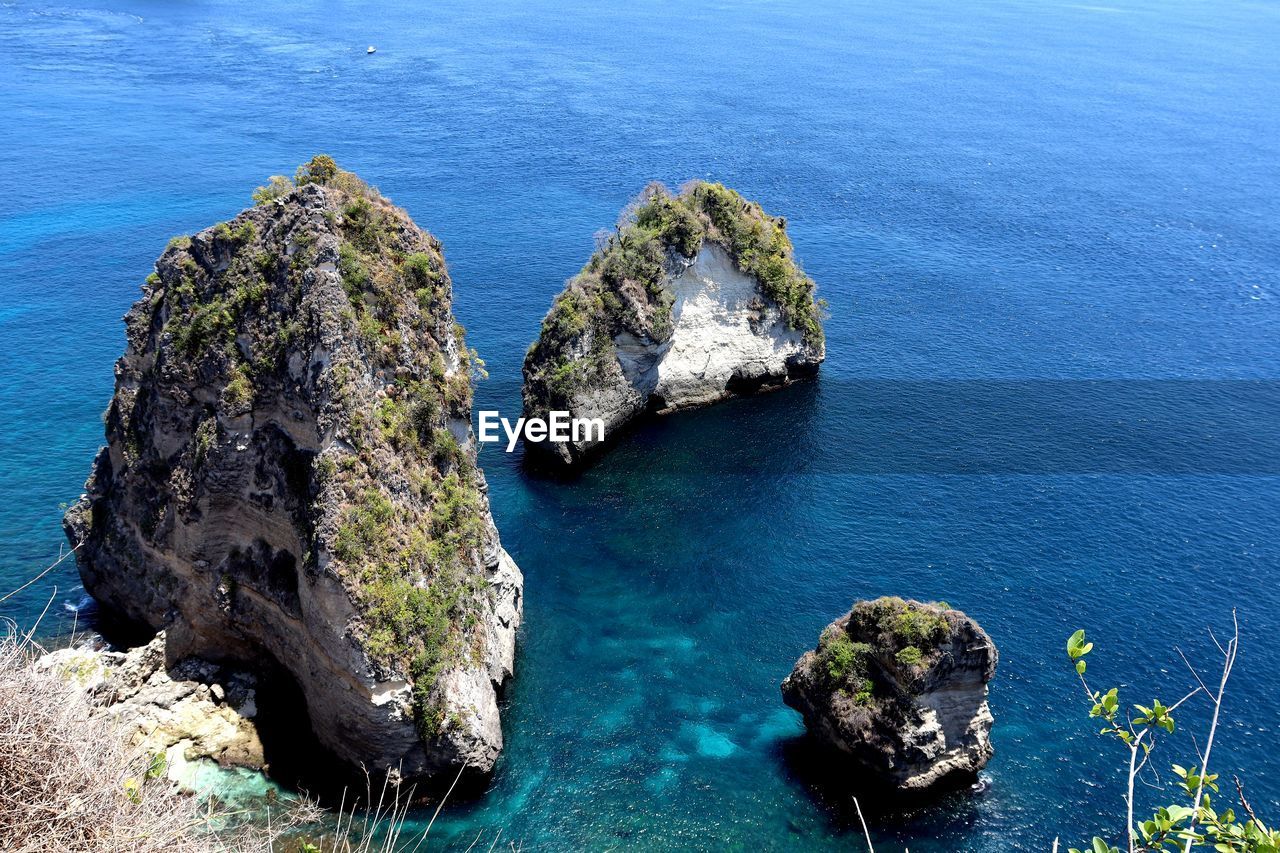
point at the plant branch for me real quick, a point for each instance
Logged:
(1244, 804)
(46, 571)
(1229, 661)
(866, 832)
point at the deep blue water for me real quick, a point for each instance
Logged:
(999, 200)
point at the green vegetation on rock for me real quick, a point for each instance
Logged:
(231, 299)
(898, 624)
(623, 288)
(872, 695)
(909, 656)
(891, 634)
(843, 663)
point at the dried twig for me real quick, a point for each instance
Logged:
(1229, 661)
(866, 832)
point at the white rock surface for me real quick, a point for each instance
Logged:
(724, 330)
(727, 337)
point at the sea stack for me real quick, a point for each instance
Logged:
(898, 691)
(693, 298)
(290, 483)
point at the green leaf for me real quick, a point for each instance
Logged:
(1074, 643)
(157, 767)
(1080, 667)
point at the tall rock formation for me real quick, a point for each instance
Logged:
(696, 297)
(290, 480)
(898, 689)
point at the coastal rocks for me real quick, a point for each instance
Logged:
(695, 298)
(290, 480)
(898, 689)
(194, 711)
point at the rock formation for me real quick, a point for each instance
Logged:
(290, 479)
(899, 689)
(196, 711)
(696, 297)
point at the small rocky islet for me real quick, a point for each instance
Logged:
(897, 690)
(290, 487)
(695, 297)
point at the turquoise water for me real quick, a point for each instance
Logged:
(1000, 201)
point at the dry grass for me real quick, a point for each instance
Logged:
(71, 782)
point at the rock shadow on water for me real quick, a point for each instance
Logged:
(693, 441)
(834, 785)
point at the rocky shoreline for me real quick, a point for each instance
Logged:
(290, 496)
(195, 711)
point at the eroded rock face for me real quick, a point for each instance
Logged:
(696, 298)
(194, 711)
(290, 477)
(899, 689)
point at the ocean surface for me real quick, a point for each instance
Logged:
(1048, 234)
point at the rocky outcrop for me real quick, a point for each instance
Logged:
(696, 297)
(195, 711)
(290, 479)
(899, 689)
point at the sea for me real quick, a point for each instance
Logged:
(1048, 234)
